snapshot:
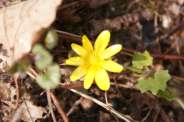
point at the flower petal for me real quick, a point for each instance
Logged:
(86, 43)
(78, 73)
(112, 66)
(78, 49)
(102, 80)
(88, 79)
(112, 50)
(75, 61)
(102, 41)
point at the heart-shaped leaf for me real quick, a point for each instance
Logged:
(49, 79)
(42, 57)
(154, 84)
(141, 60)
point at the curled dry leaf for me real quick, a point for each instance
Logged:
(21, 25)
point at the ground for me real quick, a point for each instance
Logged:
(155, 26)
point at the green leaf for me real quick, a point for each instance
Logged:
(42, 57)
(51, 78)
(141, 60)
(51, 39)
(167, 95)
(154, 84)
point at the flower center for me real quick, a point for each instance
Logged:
(93, 60)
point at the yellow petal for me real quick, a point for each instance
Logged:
(75, 61)
(78, 73)
(86, 43)
(112, 50)
(102, 80)
(102, 41)
(78, 49)
(89, 77)
(112, 66)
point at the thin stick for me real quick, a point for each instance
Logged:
(70, 36)
(106, 99)
(77, 85)
(60, 110)
(30, 75)
(129, 52)
(16, 76)
(127, 86)
(27, 108)
(108, 108)
(180, 102)
(68, 5)
(50, 107)
(168, 57)
(74, 107)
(126, 51)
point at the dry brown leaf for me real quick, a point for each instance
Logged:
(4, 91)
(20, 26)
(28, 112)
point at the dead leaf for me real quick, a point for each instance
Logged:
(4, 91)
(174, 9)
(180, 2)
(21, 25)
(28, 112)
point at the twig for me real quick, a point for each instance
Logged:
(178, 78)
(108, 108)
(27, 108)
(127, 51)
(168, 57)
(76, 85)
(60, 110)
(50, 107)
(106, 99)
(31, 73)
(147, 115)
(156, 56)
(68, 5)
(15, 77)
(69, 36)
(74, 107)
(180, 102)
(127, 86)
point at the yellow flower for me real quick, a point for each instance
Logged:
(93, 62)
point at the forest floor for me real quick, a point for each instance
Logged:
(153, 25)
